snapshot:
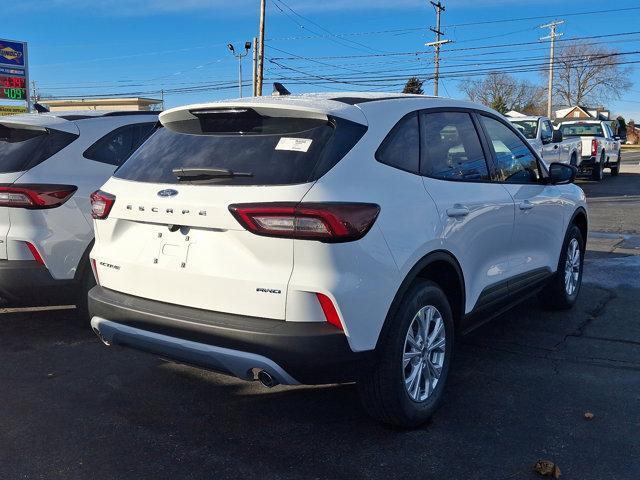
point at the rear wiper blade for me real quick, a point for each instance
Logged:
(191, 174)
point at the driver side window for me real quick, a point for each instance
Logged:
(515, 163)
(546, 134)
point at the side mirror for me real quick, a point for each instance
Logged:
(561, 173)
(557, 136)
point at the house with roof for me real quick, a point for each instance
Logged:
(579, 112)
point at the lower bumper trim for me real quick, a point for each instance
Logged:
(219, 359)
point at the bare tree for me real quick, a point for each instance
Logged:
(505, 92)
(589, 74)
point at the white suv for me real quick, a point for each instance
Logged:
(331, 238)
(49, 165)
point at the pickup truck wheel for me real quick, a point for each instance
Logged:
(615, 169)
(562, 290)
(405, 386)
(597, 173)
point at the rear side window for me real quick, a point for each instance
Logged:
(514, 161)
(262, 150)
(116, 146)
(451, 149)
(22, 149)
(401, 147)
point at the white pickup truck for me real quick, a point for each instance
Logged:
(549, 143)
(600, 147)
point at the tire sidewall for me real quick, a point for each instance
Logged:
(421, 295)
(573, 232)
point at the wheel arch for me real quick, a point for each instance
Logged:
(580, 219)
(442, 268)
(83, 263)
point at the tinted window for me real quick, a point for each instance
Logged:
(547, 131)
(582, 130)
(451, 147)
(274, 152)
(528, 128)
(401, 148)
(115, 147)
(22, 149)
(514, 161)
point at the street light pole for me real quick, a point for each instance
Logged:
(240, 56)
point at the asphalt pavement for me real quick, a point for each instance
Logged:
(520, 387)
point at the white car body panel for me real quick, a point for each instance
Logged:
(224, 264)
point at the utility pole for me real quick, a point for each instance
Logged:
(255, 66)
(35, 96)
(437, 44)
(552, 36)
(239, 56)
(260, 75)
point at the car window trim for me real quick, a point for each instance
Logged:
(481, 138)
(544, 174)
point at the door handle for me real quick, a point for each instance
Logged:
(458, 211)
(555, 147)
(526, 205)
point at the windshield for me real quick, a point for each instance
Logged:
(22, 149)
(582, 130)
(528, 128)
(283, 156)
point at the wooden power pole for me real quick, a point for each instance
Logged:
(552, 36)
(437, 44)
(260, 72)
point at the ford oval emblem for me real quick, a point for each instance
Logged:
(169, 192)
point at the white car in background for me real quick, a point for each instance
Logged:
(549, 142)
(600, 147)
(331, 238)
(49, 165)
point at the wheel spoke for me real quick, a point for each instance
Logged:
(437, 345)
(408, 356)
(427, 381)
(437, 330)
(411, 340)
(414, 388)
(435, 369)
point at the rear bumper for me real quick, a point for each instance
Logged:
(588, 162)
(292, 352)
(29, 283)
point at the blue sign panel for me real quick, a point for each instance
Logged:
(12, 53)
(12, 71)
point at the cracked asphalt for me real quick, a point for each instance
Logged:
(520, 386)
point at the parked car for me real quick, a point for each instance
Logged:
(548, 142)
(331, 238)
(49, 165)
(600, 147)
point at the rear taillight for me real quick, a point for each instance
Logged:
(594, 147)
(101, 203)
(326, 222)
(35, 196)
(94, 268)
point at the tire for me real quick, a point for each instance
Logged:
(574, 160)
(615, 169)
(557, 295)
(382, 390)
(597, 173)
(86, 283)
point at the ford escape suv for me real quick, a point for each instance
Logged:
(331, 238)
(49, 165)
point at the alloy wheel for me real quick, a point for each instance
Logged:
(572, 267)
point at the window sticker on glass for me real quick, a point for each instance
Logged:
(294, 144)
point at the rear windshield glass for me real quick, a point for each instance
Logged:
(582, 130)
(22, 149)
(528, 128)
(251, 151)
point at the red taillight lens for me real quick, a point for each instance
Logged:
(326, 222)
(94, 268)
(35, 196)
(594, 147)
(101, 203)
(329, 309)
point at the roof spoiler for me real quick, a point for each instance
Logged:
(279, 89)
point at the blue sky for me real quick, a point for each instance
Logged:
(84, 47)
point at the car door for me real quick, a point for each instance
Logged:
(476, 214)
(539, 215)
(550, 150)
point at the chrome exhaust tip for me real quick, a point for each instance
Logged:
(266, 379)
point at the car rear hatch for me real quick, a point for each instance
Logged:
(170, 235)
(24, 143)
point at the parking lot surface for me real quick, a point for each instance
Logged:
(519, 391)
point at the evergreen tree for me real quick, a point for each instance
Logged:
(414, 85)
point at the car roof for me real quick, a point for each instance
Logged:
(528, 118)
(583, 121)
(349, 105)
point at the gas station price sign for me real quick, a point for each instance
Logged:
(13, 88)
